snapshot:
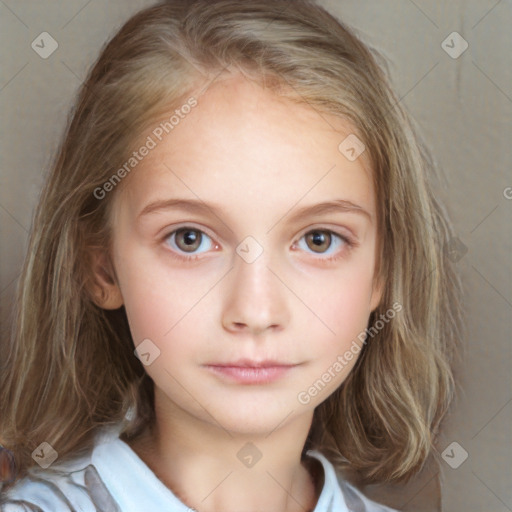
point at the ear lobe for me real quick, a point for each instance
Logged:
(103, 286)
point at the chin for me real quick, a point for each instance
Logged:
(251, 418)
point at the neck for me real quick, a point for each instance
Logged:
(211, 469)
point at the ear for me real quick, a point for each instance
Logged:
(377, 292)
(103, 286)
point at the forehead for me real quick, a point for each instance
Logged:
(244, 142)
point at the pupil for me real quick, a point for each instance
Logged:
(190, 237)
(320, 240)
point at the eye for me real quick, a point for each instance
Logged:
(187, 243)
(324, 241)
(189, 240)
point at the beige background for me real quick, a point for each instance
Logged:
(464, 109)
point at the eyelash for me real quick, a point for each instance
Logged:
(348, 241)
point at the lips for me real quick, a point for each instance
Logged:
(247, 371)
(248, 363)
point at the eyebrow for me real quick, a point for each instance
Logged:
(197, 206)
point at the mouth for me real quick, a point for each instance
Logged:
(245, 371)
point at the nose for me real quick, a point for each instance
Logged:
(255, 300)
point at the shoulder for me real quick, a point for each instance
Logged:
(42, 491)
(68, 487)
(58, 491)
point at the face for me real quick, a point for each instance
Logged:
(244, 291)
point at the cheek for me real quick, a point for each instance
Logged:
(346, 313)
(159, 312)
(154, 300)
(343, 302)
(164, 305)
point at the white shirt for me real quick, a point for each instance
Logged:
(112, 478)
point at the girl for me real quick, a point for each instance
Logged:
(236, 293)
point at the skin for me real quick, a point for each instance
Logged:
(259, 158)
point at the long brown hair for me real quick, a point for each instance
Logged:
(70, 367)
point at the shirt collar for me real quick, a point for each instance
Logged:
(135, 487)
